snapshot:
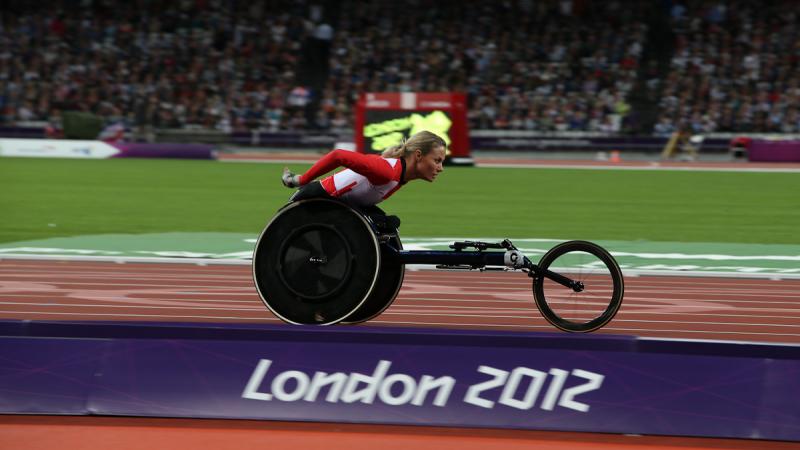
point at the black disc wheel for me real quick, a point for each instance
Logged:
(316, 262)
(319, 252)
(594, 301)
(390, 279)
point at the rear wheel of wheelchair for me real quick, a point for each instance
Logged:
(316, 262)
(390, 279)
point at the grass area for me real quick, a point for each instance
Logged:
(42, 198)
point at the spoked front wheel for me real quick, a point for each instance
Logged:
(592, 305)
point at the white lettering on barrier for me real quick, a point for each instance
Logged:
(322, 379)
(553, 396)
(251, 390)
(404, 395)
(279, 385)
(519, 389)
(367, 393)
(535, 385)
(395, 389)
(443, 387)
(594, 383)
(474, 390)
(549, 400)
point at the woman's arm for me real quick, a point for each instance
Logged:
(375, 168)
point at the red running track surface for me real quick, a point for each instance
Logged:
(756, 310)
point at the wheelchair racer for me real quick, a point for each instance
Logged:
(369, 179)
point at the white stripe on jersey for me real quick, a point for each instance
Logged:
(357, 190)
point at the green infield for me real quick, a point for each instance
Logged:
(42, 198)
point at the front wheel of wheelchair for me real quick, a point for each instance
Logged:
(596, 304)
(316, 262)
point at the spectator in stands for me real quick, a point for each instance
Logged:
(730, 62)
(546, 65)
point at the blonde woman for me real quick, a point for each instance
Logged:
(369, 179)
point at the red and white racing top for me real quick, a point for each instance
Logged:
(369, 179)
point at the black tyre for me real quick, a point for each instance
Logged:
(596, 304)
(390, 279)
(316, 262)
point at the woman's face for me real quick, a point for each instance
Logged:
(430, 164)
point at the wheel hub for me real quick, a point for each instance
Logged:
(316, 262)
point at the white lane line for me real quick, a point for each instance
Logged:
(139, 276)
(51, 299)
(105, 267)
(401, 298)
(760, 273)
(127, 259)
(740, 312)
(528, 298)
(683, 322)
(646, 331)
(653, 166)
(650, 282)
(712, 323)
(245, 289)
(118, 269)
(716, 292)
(606, 330)
(485, 299)
(651, 301)
(609, 329)
(707, 280)
(159, 316)
(648, 301)
(443, 290)
(412, 309)
(419, 293)
(699, 285)
(248, 287)
(626, 309)
(459, 324)
(429, 275)
(103, 306)
(178, 290)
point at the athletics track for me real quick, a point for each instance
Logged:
(730, 309)
(737, 309)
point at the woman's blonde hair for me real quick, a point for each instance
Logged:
(424, 141)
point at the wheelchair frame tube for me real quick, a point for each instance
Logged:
(476, 260)
(451, 258)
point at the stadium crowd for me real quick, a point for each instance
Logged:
(531, 65)
(554, 65)
(734, 68)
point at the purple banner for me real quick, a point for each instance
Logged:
(774, 151)
(48, 376)
(433, 377)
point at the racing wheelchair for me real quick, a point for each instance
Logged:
(321, 262)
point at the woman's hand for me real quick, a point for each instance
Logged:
(289, 179)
